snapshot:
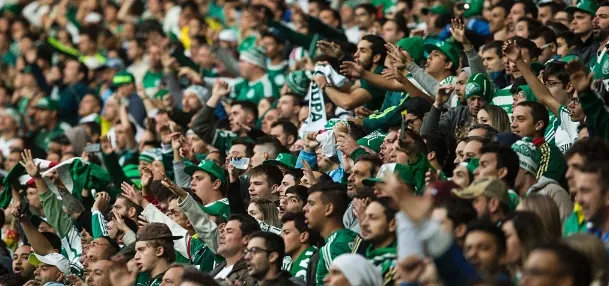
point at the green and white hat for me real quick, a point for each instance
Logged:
(254, 55)
(586, 6)
(284, 159)
(122, 78)
(151, 155)
(526, 154)
(47, 104)
(202, 93)
(413, 46)
(372, 141)
(209, 167)
(447, 48)
(404, 174)
(479, 85)
(298, 81)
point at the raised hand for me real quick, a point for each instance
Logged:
(101, 201)
(146, 177)
(329, 48)
(133, 195)
(311, 143)
(345, 143)
(220, 89)
(106, 146)
(512, 51)
(165, 134)
(119, 221)
(416, 207)
(351, 69)
(320, 80)
(169, 184)
(28, 163)
(444, 91)
(393, 74)
(457, 29)
(400, 57)
(308, 173)
(580, 79)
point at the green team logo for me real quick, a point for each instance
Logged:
(472, 88)
(279, 79)
(606, 67)
(250, 93)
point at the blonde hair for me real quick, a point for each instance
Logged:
(547, 211)
(270, 215)
(499, 118)
(594, 250)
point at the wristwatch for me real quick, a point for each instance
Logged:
(329, 84)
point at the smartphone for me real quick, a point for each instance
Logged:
(241, 163)
(93, 148)
(24, 206)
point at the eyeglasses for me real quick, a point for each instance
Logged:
(552, 83)
(574, 101)
(255, 250)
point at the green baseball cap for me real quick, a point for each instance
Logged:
(586, 6)
(284, 159)
(372, 141)
(218, 208)
(404, 174)
(479, 85)
(209, 167)
(160, 94)
(122, 78)
(473, 8)
(413, 46)
(47, 104)
(448, 49)
(438, 9)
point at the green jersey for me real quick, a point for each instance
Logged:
(418, 170)
(384, 259)
(299, 267)
(199, 255)
(277, 72)
(503, 98)
(151, 82)
(600, 70)
(254, 91)
(339, 242)
(144, 279)
(378, 94)
(551, 130)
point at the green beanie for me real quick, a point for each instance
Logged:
(372, 141)
(526, 154)
(151, 155)
(254, 55)
(413, 46)
(298, 81)
(528, 92)
(479, 85)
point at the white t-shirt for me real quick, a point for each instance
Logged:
(224, 272)
(566, 133)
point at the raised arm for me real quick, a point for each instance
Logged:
(539, 89)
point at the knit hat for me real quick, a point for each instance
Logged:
(586, 6)
(284, 159)
(479, 85)
(209, 167)
(403, 172)
(13, 114)
(151, 155)
(357, 270)
(526, 154)
(54, 259)
(413, 46)
(133, 173)
(448, 49)
(493, 188)
(254, 55)
(372, 141)
(528, 93)
(298, 81)
(114, 63)
(228, 35)
(202, 93)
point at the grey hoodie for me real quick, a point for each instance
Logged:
(551, 188)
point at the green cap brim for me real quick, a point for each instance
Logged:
(190, 170)
(278, 163)
(372, 181)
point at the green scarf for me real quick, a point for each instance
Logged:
(384, 259)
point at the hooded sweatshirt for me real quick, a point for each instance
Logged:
(551, 188)
(358, 270)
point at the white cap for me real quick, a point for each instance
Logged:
(54, 259)
(228, 35)
(93, 18)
